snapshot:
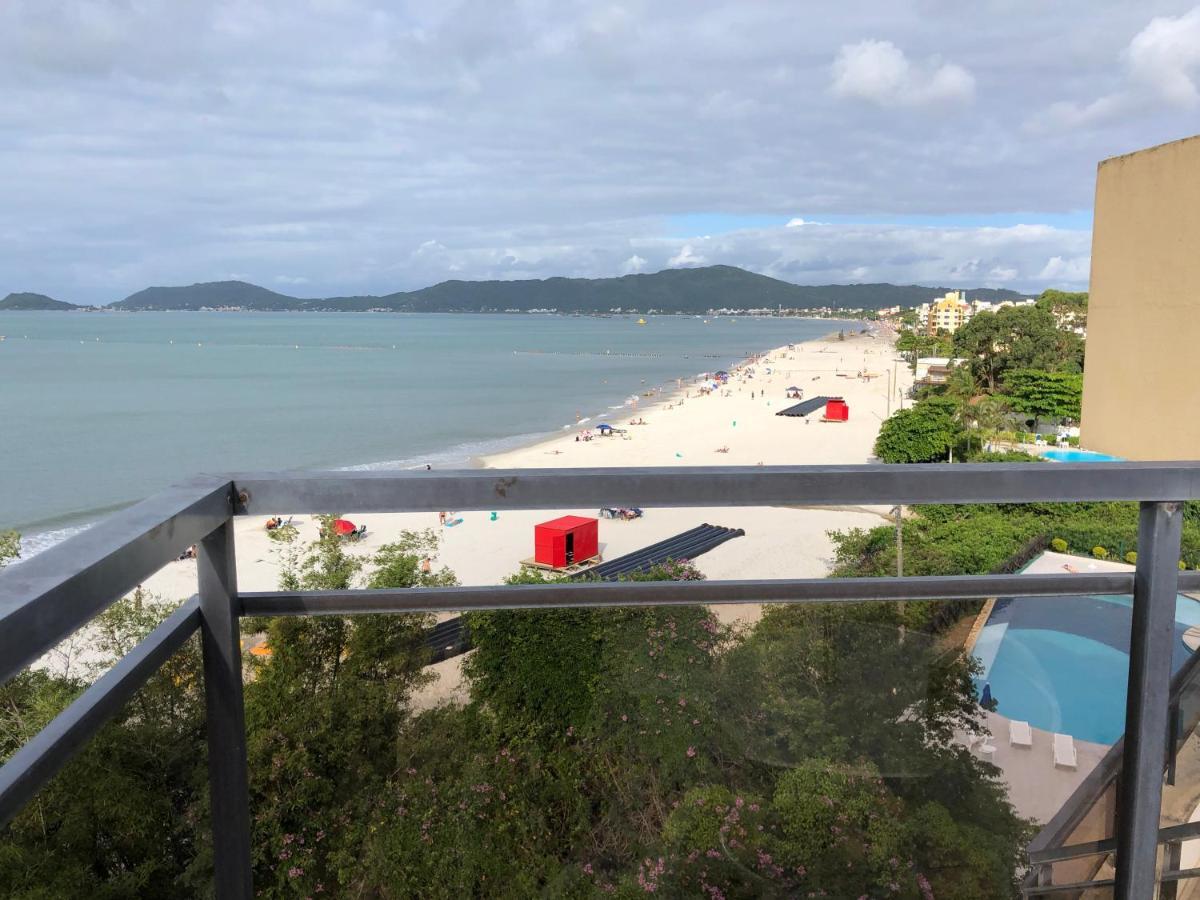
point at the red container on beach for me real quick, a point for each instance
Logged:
(836, 410)
(566, 540)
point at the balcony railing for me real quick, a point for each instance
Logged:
(47, 598)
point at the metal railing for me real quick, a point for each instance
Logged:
(48, 597)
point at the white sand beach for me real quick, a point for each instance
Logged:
(735, 425)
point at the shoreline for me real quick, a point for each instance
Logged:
(42, 534)
(736, 425)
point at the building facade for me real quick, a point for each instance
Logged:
(948, 313)
(1143, 321)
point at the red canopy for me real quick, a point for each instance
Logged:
(343, 526)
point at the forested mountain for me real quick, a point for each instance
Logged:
(34, 301)
(671, 291)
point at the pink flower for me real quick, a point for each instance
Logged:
(295, 872)
(691, 751)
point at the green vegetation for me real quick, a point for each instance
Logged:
(925, 432)
(601, 752)
(670, 291)
(35, 302)
(1016, 337)
(1044, 395)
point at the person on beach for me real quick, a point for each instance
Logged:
(426, 566)
(442, 518)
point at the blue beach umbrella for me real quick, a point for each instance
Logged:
(986, 698)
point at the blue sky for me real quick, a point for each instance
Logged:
(323, 147)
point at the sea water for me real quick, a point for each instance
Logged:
(98, 410)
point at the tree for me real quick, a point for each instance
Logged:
(925, 432)
(324, 712)
(1016, 337)
(1044, 395)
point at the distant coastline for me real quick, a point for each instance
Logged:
(707, 290)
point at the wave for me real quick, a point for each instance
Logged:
(40, 541)
(458, 456)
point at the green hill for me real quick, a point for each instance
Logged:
(210, 295)
(28, 301)
(670, 291)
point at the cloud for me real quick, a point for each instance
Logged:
(686, 257)
(1072, 270)
(291, 279)
(1160, 66)
(1165, 56)
(373, 146)
(799, 222)
(633, 265)
(879, 72)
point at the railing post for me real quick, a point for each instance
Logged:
(227, 779)
(1139, 799)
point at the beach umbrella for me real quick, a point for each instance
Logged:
(985, 699)
(342, 526)
(794, 388)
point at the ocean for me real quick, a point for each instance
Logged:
(100, 410)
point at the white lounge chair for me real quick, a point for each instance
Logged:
(1020, 734)
(1064, 752)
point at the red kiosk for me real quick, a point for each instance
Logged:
(836, 410)
(565, 541)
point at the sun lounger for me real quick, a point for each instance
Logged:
(1064, 752)
(1020, 734)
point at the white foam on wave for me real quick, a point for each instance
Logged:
(455, 457)
(41, 541)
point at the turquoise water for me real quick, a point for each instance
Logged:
(1079, 456)
(98, 410)
(1062, 663)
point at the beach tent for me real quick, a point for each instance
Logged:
(794, 388)
(566, 540)
(343, 526)
(604, 427)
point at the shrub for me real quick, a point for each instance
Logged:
(1058, 545)
(1182, 565)
(1131, 557)
(1099, 552)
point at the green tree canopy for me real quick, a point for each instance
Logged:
(1044, 395)
(1016, 337)
(924, 432)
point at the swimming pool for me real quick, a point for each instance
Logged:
(1079, 456)
(1061, 664)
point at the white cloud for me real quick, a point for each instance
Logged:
(633, 265)
(687, 257)
(879, 72)
(1160, 67)
(1073, 269)
(1165, 57)
(291, 279)
(799, 223)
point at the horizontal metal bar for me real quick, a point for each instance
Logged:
(1179, 874)
(46, 598)
(489, 489)
(48, 751)
(674, 593)
(1171, 834)
(1042, 890)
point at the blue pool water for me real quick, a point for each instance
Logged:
(1079, 456)
(1061, 663)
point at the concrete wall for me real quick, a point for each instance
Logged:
(1141, 384)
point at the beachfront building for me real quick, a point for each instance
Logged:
(1143, 318)
(948, 313)
(978, 306)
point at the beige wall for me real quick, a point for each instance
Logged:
(1141, 384)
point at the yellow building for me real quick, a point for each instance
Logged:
(948, 313)
(1143, 333)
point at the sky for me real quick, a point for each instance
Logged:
(324, 147)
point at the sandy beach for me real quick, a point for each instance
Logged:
(735, 424)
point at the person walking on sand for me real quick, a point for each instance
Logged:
(426, 566)
(442, 518)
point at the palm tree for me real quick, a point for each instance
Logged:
(991, 414)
